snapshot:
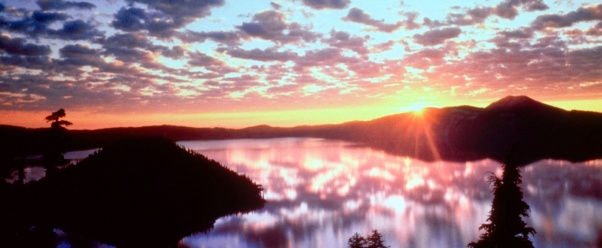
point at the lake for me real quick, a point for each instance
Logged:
(320, 192)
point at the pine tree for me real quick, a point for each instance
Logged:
(55, 117)
(505, 227)
(56, 141)
(357, 241)
(375, 240)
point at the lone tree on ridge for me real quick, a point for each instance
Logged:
(55, 118)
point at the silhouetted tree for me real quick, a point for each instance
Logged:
(53, 155)
(55, 117)
(357, 241)
(505, 227)
(374, 240)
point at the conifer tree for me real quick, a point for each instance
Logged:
(55, 117)
(375, 240)
(56, 140)
(356, 241)
(505, 226)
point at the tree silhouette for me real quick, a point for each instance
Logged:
(374, 240)
(357, 241)
(55, 118)
(56, 140)
(505, 227)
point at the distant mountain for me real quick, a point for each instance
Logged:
(514, 129)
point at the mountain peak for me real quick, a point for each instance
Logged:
(513, 102)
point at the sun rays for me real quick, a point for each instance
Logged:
(420, 129)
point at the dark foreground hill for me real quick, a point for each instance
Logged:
(514, 128)
(141, 192)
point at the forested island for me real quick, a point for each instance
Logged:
(142, 191)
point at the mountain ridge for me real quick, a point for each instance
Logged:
(512, 128)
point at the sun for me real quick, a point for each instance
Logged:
(418, 112)
(417, 108)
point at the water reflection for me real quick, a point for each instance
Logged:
(320, 192)
(34, 171)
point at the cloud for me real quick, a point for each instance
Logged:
(322, 57)
(472, 16)
(312, 58)
(200, 59)
(77, 51)
(267, 25)
(368, 69)
(270, 25)
(27, 26)
(217, 66)
(37, 24)
(182, 8)
(19, 46)
(137, 19)
(546, 67)
(596, 30)
(130, 40)
(29, 62)
(524, 33)
(585, 64)
(124, 53)
(270, 54)
(425, 58)
(146, 52)
(174, 52)
(437, 36)
(509, 8)
(163, 17)
(75, 56)
(227, 37)
(62, 5)
(593, 13)
(327, 4)
(76, 30)
(342, 39)
(514, 39)
(138, 42)
(359, 16)
(48, 17)
(33, 23)
(410, 22)
(130, 19)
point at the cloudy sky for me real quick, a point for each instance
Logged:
(289, 62)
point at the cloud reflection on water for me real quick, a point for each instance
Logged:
(320, 192)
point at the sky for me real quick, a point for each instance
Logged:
(206, 63)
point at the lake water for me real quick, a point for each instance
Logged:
(321, 192)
